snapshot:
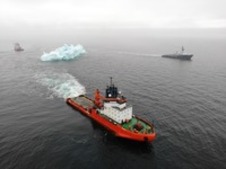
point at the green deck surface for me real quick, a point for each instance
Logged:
(131, 125)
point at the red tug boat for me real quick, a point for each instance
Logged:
(113, 113)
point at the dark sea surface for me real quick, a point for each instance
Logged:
(186, 100)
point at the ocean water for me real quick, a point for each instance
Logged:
(186, 100)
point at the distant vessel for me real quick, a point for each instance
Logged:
(17, 47)
(112, 112)
(179, 55)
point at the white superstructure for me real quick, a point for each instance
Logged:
(116, 111)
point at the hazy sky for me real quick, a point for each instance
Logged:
(114, 13)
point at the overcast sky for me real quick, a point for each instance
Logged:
(115, 13)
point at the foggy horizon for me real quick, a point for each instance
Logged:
(133, 13)
(26, 19)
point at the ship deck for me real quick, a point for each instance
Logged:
(83, 101)
(135, 124)
(131, 125)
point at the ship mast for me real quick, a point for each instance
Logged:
(112, 90)
(110, 81)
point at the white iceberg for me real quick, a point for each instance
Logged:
(66, 52)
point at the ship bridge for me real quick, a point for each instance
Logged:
(115, 105)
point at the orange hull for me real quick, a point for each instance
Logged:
(115, 128)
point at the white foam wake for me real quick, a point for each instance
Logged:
(66, 52)
(62, 85)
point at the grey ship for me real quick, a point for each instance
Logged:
(179, 55)
(17, 47)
